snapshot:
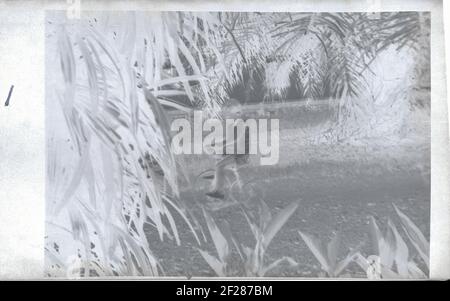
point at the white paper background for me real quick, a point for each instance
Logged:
(22, 130)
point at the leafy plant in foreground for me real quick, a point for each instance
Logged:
(253, 258)
(415, 236)
(222, 244)
(328, 255)
(112, 176)
(264, 232)
(392, 258)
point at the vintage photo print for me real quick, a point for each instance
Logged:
(238, 144)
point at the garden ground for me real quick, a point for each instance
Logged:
(338, 186)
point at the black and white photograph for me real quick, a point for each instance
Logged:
(237, 144)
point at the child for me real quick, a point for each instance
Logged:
(232, 110)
